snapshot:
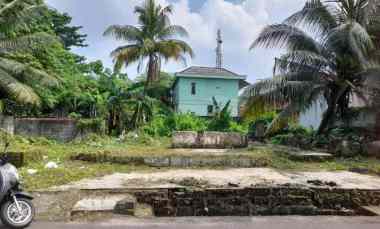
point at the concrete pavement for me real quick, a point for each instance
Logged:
(293, 222)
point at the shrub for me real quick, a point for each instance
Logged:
(164, 125)
(95, 125)
(222, 118)
(158, 127)
(187, 122)
(266, 119)
(240, 128)
(221, 122)
(296, 136)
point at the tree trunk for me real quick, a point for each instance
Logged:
(152, 75)
(330, 113)
(110, 122)
(327, 116)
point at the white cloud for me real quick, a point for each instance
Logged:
(240, 24)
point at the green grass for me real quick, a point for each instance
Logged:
(40, 151)
(283, 162)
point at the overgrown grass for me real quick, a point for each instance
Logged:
(40, 151)
(283, 162)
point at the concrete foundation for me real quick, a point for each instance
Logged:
(213, 140)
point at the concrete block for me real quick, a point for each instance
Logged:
(185, 139)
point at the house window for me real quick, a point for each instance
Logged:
(210, 109)
(193, 88)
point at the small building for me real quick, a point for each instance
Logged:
(195, 88)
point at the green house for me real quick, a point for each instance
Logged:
(195, 87)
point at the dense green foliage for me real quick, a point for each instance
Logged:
(163, 125)
(19, 80)
(69, 35)
(40, 78)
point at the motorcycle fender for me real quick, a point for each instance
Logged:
(23, 195)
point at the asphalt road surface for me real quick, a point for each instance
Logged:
(223, 223)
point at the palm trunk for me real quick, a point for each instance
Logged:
(327, 117)
(152, 75)
(151, 71)
(330, 113)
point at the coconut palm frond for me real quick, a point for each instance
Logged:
(350, 37)
(125, 49)
(17, 90)
(173, 49)
(285, 36)
(27, 74)
(361, 40)
(315, 15)
(353, 10)
(126, 55)
(278, 92)
(303, 61)
(172, 31)
(124, 32)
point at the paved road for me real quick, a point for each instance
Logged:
(224, 223)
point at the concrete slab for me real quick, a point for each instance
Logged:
(222, 178)
(98, 204)
(310, 156)
(202, 151)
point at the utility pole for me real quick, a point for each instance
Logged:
(219, 54)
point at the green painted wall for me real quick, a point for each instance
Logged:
(222, 89)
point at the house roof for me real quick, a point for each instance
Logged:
(209, 72)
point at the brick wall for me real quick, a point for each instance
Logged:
(259, 201)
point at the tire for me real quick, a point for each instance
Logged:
(8, 205)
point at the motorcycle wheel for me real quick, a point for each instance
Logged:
(12, 218)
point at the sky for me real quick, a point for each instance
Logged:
(239, 20)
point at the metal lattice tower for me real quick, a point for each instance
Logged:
(219, 54)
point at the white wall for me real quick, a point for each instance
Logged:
(313, 116)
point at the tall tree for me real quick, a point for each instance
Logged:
(69, 35)
(17, 79)
(152, 40)
(334, 62)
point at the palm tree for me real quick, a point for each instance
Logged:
(17, 79)
(153, 39)
(333, 62)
